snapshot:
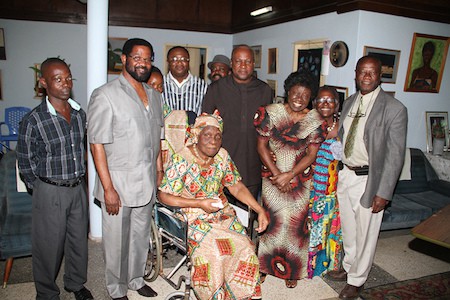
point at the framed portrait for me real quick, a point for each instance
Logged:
(343, 94)
(272, 60)
(39, 90)
(2, 45)
(115, 46)
(437, 128)
(389, 62)
(273, 86)
(426, 63)
(257, 52)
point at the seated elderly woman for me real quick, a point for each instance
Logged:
(224, 259)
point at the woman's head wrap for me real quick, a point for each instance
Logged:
(201, 122)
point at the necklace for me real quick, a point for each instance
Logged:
(330, 128)
(203, 161)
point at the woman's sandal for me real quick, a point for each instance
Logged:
(291, 283)
(262, 277)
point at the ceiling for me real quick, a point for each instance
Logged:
(219, 16)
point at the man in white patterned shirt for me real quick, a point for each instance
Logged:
(182, 90)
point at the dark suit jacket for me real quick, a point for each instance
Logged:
(385, 140)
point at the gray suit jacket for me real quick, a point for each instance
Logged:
(385, 141)
(131, 137)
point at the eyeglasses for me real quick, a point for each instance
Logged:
(327, 100)
(137, 58)
(179, 59)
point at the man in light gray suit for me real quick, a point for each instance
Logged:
(373, 132)
(124, 129)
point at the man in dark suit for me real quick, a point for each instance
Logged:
(373, 132)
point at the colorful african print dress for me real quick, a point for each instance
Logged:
(325, 245)
(283, 247)
(225, 265)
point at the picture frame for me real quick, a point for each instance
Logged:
(273, 86)
(272, 60)
(389, 62)
(343, 94)
(115, 46)
(426, 63)
(39, 90)
(433, 119)
(2, 45)
(392, 93)
(257, 53)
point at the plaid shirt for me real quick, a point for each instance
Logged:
(48, 146)
(185, 96)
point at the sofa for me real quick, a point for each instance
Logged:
(417, 199)
(15, 215)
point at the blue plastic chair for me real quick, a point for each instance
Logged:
(13, 116)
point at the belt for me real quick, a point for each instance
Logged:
(65, 183)
(359, 171)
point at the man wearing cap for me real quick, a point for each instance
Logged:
(220, 67)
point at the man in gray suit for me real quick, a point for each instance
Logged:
(373, 132)
(124, 130)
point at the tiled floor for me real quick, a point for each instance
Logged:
(399, 257)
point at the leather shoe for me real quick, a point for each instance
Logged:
(340, 275)
(350, 292)
(147, 291)
(82, 294)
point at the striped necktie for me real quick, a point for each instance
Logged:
(350, 141)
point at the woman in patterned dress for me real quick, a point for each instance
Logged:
(225, 265)
(293, 133)
(325, 244)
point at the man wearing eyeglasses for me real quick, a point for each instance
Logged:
(373, 132)
(182, 90)
(125, 123)
(238, 97)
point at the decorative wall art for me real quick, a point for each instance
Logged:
(389, 62)
(272, 60)
(257, 53)
(343, 94)
(273, 86)
(2, 45)
(426, 63)
(115, 46)
(437, 131)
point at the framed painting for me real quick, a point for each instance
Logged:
(389, 62)
(39, 90)
(437, 128)
(343, 94)
(2, 45)
(272, 60)
(257, 53)
(1, 94)
(115, 46)
(426, 63)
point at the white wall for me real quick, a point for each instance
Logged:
(358, 29)
(32, 42)
(29, 42)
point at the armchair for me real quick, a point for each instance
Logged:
(13, 116)
(15, 216)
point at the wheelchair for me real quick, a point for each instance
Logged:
(169, 227)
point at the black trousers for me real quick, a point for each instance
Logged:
(60, 227)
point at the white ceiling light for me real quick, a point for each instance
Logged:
(261, 11)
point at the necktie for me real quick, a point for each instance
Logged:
(350, 141)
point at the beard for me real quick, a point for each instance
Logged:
(141, 76)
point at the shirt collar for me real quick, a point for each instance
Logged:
(182, 82)
(52, 110)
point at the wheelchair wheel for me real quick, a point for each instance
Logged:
(154, 258)
(178, 295)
